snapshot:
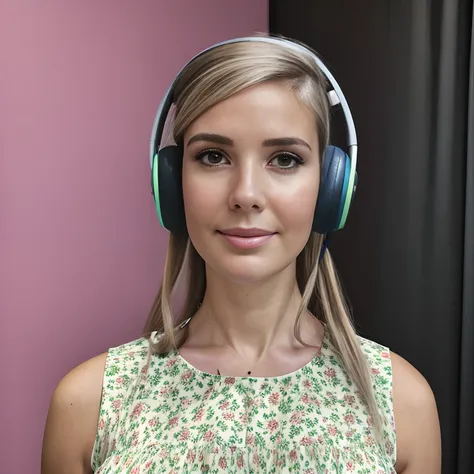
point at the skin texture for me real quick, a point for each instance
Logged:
(247, 316)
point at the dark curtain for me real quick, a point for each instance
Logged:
(406, 256)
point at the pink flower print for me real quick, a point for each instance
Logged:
(305, 398)
(330, 373)
(369, 441)
(296, 418)
(216, 450)
(120, 380)
(315, 401)
(128, 461)
(185, 402)
(229, 381)
(117, 459)
(332, 430)
(389, 448)
(250, 439)
(375, 371)
(191, 456)
(306, 441)
(224, 405)
(349, 433)
(240, 461)
(184, 435)
(134, 439)
(256, 459)
(187, 375)
(148, 464)
(164, 391)
(349, 399)
(320, 439)
(137, 410)
(163, 453)
(152, 422)
(173, 421)
(101, 424)
(307, 384)
(116, 404)
(385, 355)
(209, 436)
(171, 362)
(349, 467)
(272, 425)
(349, 419)
(199, 414)
(293, 455)
(228, 415)
(222, 463)
(274, 398)
(135, 470)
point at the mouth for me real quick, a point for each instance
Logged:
(244, 238)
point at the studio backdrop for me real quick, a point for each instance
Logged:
(406, 255)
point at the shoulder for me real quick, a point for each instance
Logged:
(72, 418)
(78, 403)
(416, 420)
(415, 415)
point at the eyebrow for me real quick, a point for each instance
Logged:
(271, 142)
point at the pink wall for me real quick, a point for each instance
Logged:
(81, 250)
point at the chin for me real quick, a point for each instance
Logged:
(241, 270)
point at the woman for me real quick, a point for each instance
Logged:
(261, 370)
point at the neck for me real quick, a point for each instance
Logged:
(248, 317)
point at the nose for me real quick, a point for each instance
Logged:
(247, 189)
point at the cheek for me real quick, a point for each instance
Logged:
(296, 209)
(200, 200)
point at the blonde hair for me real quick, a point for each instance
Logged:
(211, 78)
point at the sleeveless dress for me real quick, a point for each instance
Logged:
(169, 417)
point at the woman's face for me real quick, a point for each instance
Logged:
(250, 182)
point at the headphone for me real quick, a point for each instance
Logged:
(338, 180)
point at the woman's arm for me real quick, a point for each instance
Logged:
(416, 421)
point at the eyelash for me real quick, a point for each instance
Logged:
(298, 160)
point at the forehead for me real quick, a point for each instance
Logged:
(267, 110)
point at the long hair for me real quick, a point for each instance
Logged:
(211, 78)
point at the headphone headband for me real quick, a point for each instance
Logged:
(335, 95)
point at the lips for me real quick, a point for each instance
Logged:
(243, 238)
(244, 232)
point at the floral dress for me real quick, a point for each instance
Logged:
(166, 416)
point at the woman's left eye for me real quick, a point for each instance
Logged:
(286, 161)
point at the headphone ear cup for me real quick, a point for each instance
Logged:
(333, 191)
(167, 188)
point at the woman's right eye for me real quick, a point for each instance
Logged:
(211, 158)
